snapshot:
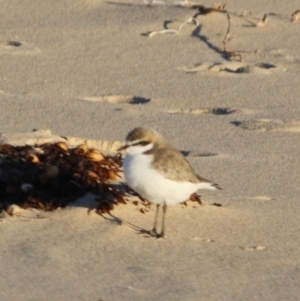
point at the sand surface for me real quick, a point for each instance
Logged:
(95, 70)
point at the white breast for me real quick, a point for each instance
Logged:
(153, 186)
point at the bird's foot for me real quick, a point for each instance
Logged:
(153, 233)
(160, 235)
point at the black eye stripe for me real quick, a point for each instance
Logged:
(142, 143)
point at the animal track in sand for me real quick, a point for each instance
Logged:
(277, 125)
(118, 99)
(254, 248)
(14, 47)
(214, 111)
(233, 67)
(260, 198)
(203, 239)
(192, 154)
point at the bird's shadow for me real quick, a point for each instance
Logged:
(120, 221)
(89, 201)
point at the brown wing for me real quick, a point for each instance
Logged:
(170, 162)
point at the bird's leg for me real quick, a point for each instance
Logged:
(153, 231)
(162, 233)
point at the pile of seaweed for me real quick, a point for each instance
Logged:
(52, 175)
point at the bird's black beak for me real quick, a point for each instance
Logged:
(122, 147)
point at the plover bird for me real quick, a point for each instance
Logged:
(158, 172)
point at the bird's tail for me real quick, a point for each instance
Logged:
(206, 184)
(209, 185)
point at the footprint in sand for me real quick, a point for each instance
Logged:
(260, 198)
(15, 47)
(254, 248)
(193, 154)
(203, 239)
(278, 125)
(226, 67)
(118, 99)
(285, 57)
(214, 111)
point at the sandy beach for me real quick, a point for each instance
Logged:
(224, 89)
